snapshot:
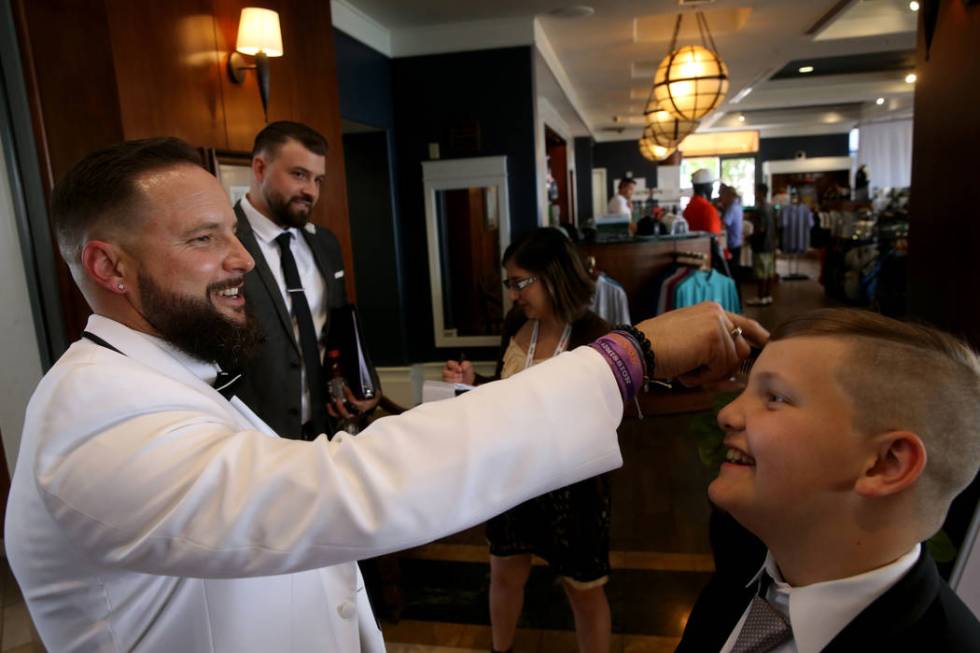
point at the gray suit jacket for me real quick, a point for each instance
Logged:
(271, 382)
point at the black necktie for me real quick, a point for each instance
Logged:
(225, 383)
(308, 341)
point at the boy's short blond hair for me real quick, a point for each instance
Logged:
(909, 377)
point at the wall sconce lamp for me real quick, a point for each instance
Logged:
(258, 36)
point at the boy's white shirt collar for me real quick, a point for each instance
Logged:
(819, 612)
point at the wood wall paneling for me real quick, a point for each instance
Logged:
(69, 74)
(167, 65)
(945, 229)
(102, 71)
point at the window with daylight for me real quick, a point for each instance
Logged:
(740, 174)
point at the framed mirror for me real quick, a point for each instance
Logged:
(468, 225)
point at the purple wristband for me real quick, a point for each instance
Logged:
(624, 361)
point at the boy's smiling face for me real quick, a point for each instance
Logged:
(794, 452)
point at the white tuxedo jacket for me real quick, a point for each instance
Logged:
(147, 513)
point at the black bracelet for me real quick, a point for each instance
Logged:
(643, 346)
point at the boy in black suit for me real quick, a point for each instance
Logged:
(853, 436)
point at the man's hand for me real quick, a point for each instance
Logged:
(696, 344)
(361, 406)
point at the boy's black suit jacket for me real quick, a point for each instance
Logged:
(919, 613)
(271, 385)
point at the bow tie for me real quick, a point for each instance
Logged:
(225, 383)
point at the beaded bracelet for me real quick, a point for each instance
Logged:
(642, 346)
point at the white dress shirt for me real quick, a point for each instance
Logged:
(818, 612)
(618, 205)
(266, 232)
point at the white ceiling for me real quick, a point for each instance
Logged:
(601, 64)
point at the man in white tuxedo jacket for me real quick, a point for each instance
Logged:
(149, 513)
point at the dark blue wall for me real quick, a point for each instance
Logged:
(364, 79)
(432, 94)
(620, 157)
(780, 149)
(583, 177)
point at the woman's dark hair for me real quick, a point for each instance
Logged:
(549, 255)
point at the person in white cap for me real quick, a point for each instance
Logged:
(700, 214)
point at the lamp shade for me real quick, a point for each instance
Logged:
(653, 152)
(258, 31)
(664, 128)
(690, 82)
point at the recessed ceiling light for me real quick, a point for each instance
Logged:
(880, 101)
(741, 118)
(910, 78)
(574, 11)
(806, 69)
(914, 6)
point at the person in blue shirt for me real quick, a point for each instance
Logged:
(732, 218)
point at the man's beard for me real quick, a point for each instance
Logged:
(197, 328)
(284, 214)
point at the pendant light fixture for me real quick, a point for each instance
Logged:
(652, 151)
(664, 128)
(692, 80)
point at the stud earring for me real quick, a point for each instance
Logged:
(121, 287)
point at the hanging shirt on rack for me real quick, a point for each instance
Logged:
(796, 221)
(703, 286)
(610, 301)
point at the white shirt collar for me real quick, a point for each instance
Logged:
(820, 611)
(203, 370)
(265, 229)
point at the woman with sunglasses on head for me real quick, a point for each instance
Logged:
(569, 528)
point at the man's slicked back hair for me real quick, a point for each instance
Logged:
(907, 376)
(276, 134)
(99, 193)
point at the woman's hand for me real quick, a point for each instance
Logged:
(459, 372)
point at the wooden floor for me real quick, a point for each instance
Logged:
(660, 554)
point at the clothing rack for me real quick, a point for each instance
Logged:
(699, 260)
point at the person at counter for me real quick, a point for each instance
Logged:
(148, 511)
(622, 202)
(700, 214)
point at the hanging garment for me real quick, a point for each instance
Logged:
(610, 301)
(796, 221)
(703, 286)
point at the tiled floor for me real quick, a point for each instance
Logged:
(660, 554)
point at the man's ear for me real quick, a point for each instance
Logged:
(104, 263)
(899, 458)
(258, 167)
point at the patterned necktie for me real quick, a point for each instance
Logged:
(309, 344)
(765, 627)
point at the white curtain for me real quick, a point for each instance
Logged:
(886, 148)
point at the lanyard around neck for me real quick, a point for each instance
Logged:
(562, 343)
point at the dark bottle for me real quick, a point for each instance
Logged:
(336, 384)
